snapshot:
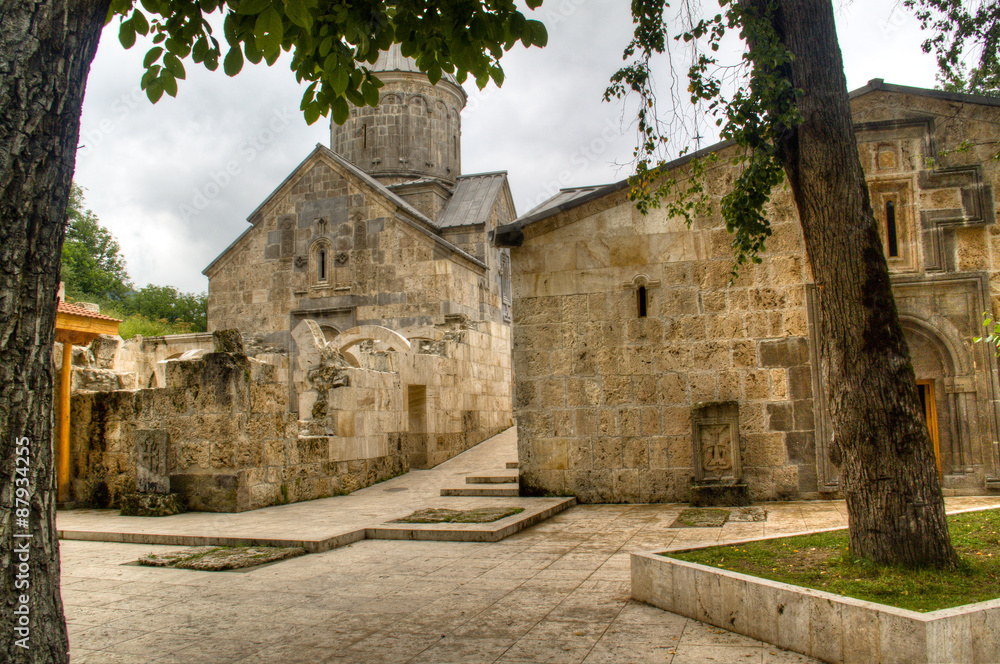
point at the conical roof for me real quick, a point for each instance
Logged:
(394, 60)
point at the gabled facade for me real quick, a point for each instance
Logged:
(374, 312)
(641, 371)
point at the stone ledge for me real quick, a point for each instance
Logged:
(829, 627)
(537, 511)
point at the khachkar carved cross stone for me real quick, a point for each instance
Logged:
(151, 474)
(715, 436)
(716, 449)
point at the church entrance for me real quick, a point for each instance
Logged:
(926, 390)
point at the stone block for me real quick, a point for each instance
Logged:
(206, 492)
(860, 638)
(780, 417)
(799, 383)
(783, 352)
(150, 504)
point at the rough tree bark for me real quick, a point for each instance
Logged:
(46, 47)
(888, 472)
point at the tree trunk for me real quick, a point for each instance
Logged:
(888, 471)
(46, 47)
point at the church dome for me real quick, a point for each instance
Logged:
(394, 60)
(415, 131)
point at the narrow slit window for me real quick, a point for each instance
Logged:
(892, 238)
(364, 136)
(322, 265)
(641, 297)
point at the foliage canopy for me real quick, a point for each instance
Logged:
(330, 41)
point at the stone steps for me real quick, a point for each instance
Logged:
(509, 490)
(503, 478)
(511, 465)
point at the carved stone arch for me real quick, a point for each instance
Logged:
(940, 331)
(640, 285)
(418, 104)
(329, 332)
(944, 374)
(425, 332)
(355, 335)
(390, 99)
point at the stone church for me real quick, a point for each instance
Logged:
(642, 373)
(375, 313)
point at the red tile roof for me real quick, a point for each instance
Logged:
(72, 309)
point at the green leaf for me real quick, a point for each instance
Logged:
(151, 56)
(254, 54)
(339, 79)
(169, 83)
(233, 62)
(534, 34)
(340, 110)
(370, 93)
(269, 30)
(200, 49)
(533, 4)
(139, 22)
(174, 65)
(311, 113)
(253, 6)
(126, 34)
(298, 13)
(154, 91)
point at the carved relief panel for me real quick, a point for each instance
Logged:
(151, 475)
(715, 437)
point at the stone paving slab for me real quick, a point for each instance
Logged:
(552, 593)
(328, 523)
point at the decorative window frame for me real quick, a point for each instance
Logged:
(900, 194)
(641, 283)
(321, 264)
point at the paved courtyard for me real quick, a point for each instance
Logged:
(556, 593)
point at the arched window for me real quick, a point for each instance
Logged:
(891, 233)
(642, 301)
(320, 272)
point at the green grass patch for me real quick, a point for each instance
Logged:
(822, 561)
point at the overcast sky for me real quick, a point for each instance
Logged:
(155, 175)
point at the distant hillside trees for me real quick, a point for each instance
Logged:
(93, 270)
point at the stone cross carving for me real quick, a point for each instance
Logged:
(151, 475)
(715, 437)
(716, 448)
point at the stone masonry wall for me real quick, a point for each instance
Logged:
(604, 396)
(232, 444)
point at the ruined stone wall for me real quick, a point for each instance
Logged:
(231, 443)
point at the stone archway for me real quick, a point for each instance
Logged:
(941, 371)
(356, 335)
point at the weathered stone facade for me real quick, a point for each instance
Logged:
(625, 324)
(229, 441)
(375, 314)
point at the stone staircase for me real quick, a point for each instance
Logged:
(496, 483)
